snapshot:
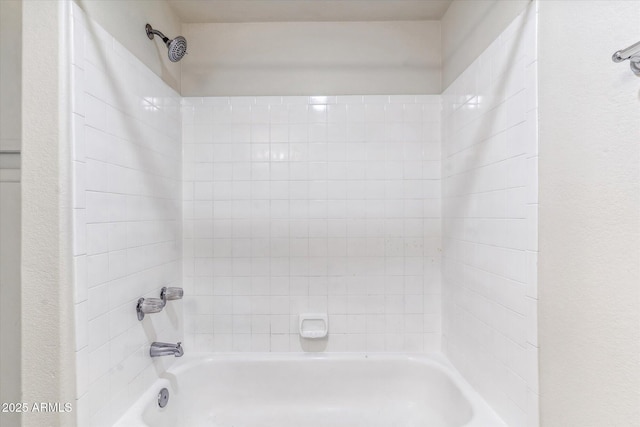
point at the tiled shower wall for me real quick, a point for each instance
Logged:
(127, 220)
(312, 204)
(490, 223)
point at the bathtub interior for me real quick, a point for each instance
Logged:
(329, 390)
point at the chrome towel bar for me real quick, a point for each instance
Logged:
(632, 53)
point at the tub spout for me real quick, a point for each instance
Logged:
(166, 349)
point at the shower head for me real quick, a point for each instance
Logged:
(177, 47)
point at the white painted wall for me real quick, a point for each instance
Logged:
(469, 27)
(312, 58)
(490, 223)
(47, 360)
(126, 164)
(589, 265)
(312, 204)
(126, 21)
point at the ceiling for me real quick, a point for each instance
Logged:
(202, 11)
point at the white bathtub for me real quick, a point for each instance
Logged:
(312, 390)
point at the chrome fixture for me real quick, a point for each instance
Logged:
(166, 349)
(632, 53)
(155, 305)
(163, 397)
(171, 294)
(149, 305)
(177, 47)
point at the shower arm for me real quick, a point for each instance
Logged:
(151, 31)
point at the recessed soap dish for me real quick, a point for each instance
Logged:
(314, 325)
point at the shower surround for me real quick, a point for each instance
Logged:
(312, 204)
(346, 205)
(126, 219)
(490, 223)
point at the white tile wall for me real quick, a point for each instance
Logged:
(312, 204)
(490, 223)
(127, 219)
(305, 204)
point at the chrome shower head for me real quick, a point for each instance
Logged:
(177, 47)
